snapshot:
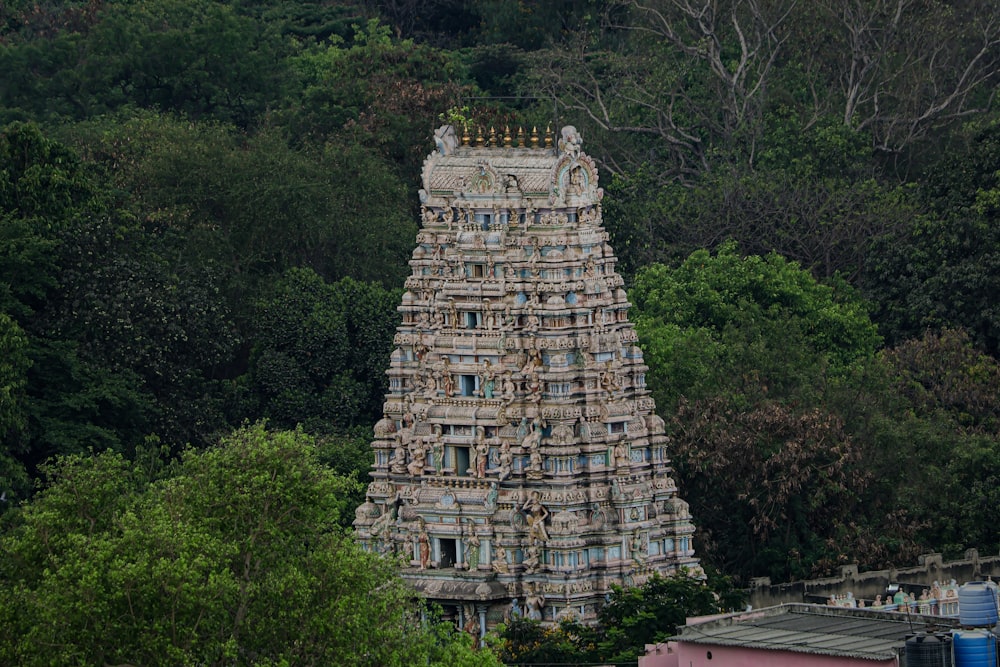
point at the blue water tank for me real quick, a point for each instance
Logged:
(977, 604)
(975, 648)
(923, 650)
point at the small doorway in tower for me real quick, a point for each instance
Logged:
(461, 460)
(449, 552)
(468, 384)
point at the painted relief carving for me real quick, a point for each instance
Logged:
(518, 434)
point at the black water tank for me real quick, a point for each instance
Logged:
(923, 650)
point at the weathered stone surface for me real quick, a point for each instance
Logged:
(520, 457)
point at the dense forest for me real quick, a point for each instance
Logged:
(207, 208)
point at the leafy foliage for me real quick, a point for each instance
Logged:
(945, 270)
(205, 209)
(762, 322)
(631, 619)
(322, 351)
(233, 556)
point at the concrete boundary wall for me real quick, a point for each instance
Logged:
(866, 585)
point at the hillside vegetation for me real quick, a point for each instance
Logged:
(207, 208)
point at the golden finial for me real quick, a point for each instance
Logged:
(520, 137)
(506, 136)
(466, 139)
(548, 136)
(480, 141)
(534, 136)
(493, 137)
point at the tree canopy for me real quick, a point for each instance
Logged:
(232, 555)
(632, 618)
(206, 211)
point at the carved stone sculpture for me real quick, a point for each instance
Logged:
(423, 545)
(535, 515)
(531, 558)
(534, 601)
(418, 460)
(505, 461)
(472, 545)
(399, 456)
(621, 456)
(500, 565)
(517, 411)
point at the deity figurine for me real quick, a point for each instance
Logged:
(531, 322)
(533, 387)
(473, 455)
(437, 450)
(637, 548)
(535, 465)
(424, 546)
(507, 389)
(534, 601)
(505, 461)
(447, 382)
(500, 560)
(489, 317)
(487, 379)
(471, 625)
(472, 551)
(419, 458)
(535, 515)
(490, 501)
(620, 452)
(430, 385)
(532, 443)
(482, 453)
(398, 465)
(533, 362)
(531, 559)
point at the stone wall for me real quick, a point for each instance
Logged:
(866, 585)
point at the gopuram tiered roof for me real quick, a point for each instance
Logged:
(520, 467)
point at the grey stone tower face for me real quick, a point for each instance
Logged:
(520, 467)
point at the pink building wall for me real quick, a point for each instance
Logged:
(681, 654)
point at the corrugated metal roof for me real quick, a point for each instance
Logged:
(802, 628)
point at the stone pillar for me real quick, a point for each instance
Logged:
(481, 609)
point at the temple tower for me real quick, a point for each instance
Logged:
(519, 467)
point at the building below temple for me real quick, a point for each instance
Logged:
(520, 467)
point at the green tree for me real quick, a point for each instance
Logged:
(383, 93)
(653, 612)
(198, 58)
(632, 618)
(743, 353)
(719, 321)
(938, 456)
(253, 206)
(773, 487)
(944, 269)
(47, 198)
(233, 556)
(812, 195)
(689, 86)
(321, 352)
(14, 364)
